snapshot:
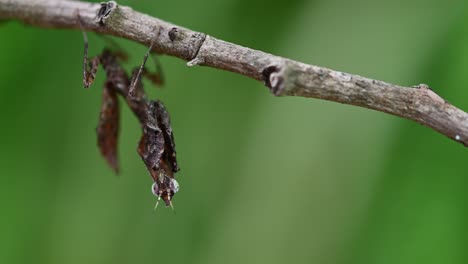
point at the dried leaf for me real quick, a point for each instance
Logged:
(165, 125)
(151, 147)
(108, 126)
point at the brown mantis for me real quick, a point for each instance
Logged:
(156, 146)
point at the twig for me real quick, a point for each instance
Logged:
(283, 76)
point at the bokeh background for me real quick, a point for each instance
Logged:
(263, 179)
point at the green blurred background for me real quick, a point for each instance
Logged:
(263, 179)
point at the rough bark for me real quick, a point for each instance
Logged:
(284, 77)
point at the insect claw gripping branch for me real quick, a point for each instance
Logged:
(156, 146)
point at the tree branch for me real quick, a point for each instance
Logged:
(284, 77)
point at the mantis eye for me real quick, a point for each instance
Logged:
(155, 189)
(174, 185)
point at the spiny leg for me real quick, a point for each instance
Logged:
(88, 74)
(157, 77)
(85, 59)
(89, 71)
(136, 78)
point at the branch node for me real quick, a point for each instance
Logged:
(105, 11)
(429, 92)
(279, 78)
(266, 74)
(198, 40)
(195, 61)
(173, 34)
